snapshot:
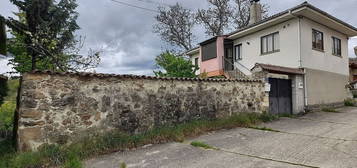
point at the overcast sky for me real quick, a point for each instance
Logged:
(125, 33)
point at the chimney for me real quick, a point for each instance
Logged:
(255, 12)
(2, 37)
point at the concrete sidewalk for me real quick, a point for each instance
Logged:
(318, 139)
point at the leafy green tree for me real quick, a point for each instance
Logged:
(174, 66)
(21, 60)
(44, 37)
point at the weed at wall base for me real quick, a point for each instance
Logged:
(202, 145)
(71, 155)
(350, 102)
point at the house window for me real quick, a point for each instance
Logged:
(317, 40)
(196, 62)
(336, 46)
(270, 43)
(238, 52)
(209, 51)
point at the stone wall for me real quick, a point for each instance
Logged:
(58, 108)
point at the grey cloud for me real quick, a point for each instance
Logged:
(125, 33)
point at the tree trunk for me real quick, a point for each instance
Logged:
(2, 37)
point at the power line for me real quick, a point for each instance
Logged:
(134, 6)
(154, 2)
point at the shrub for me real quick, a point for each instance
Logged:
(7, 116)
(349, 102)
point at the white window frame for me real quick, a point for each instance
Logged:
(238, 52)
(270, 43)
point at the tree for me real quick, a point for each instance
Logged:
(215, 19)
(45, 35)
(2, 37)
(175, 25)
(241, 13)
(174, 66)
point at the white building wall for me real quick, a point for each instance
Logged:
(323, 61)
(192, 58)
(288, 55)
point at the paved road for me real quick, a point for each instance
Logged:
(318, 139)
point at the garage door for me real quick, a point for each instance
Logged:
(280, 96)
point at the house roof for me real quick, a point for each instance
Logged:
(279, 69)
(193, 51)
(306, 10)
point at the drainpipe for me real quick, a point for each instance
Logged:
(300, 61)
(305, 87)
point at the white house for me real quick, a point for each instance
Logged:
(301, 52)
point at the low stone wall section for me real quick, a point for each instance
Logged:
(57, 108)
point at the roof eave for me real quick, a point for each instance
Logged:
(288, 14)
(193, 51)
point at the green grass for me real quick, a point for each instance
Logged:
(202, 145)
(330, 110)
(13, 86)
(122, 165)
(7, 109)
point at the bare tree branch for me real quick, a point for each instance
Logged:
(241, 13)
(216, 18)
(174, 25)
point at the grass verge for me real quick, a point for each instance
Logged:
(202, 145)
(330, 110)
(70, 156)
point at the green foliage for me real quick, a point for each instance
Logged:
(349, 102)
(7, 116)
(21, 61)
(13, 86)
(7, 109)
(122, 165)
(44, 37)
(3, 90)
(266, 117)
(2, 37)
(174, 66)
(201, 145)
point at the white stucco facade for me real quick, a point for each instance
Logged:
(193, 57)
(296, 50)
(323, 60)
(289, 46)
